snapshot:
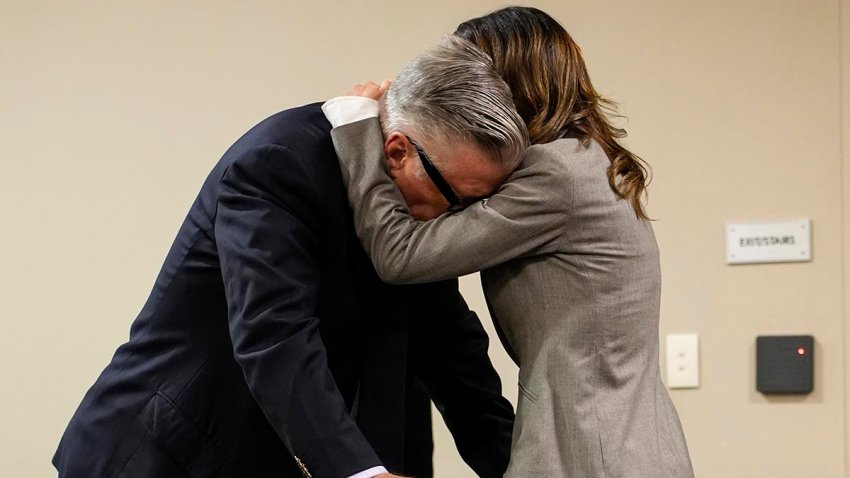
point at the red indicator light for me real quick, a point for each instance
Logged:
(801, 351)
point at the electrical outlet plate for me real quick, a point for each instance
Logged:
(682, 361)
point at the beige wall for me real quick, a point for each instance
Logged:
(845, 152)
(111, 114)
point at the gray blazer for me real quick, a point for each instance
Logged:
(572, 277)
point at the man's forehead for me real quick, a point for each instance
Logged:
(471, 172)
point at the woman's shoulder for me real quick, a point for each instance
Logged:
(565, 148)
(544, 167)
(563, 157)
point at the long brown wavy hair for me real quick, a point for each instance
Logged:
(551, 88)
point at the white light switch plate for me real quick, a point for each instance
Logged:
(682, 361)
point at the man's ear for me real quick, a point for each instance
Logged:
(395, 149)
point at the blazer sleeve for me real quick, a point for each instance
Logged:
(450, 353)
(265, 230)
(523, 218)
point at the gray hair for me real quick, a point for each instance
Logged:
(454, 93)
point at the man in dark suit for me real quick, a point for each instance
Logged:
(269, 347)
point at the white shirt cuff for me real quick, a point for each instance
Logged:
(344, 110)
(378, 470)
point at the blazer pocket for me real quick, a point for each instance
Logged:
(180, 437)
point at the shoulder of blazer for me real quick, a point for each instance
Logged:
(566, 160)
(282, 177)
(290, 157)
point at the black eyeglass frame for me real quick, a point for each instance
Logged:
(455, 203)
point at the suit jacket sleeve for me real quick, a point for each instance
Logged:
(265, 230)
(519, 220)
(449, 347)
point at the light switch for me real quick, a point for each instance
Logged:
(682, 361)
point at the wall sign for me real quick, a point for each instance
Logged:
(759, 242)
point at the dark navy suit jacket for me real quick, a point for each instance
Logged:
(268, 343)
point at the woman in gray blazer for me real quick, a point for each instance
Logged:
(569, 262)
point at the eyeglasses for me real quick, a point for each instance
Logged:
(455, 204)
